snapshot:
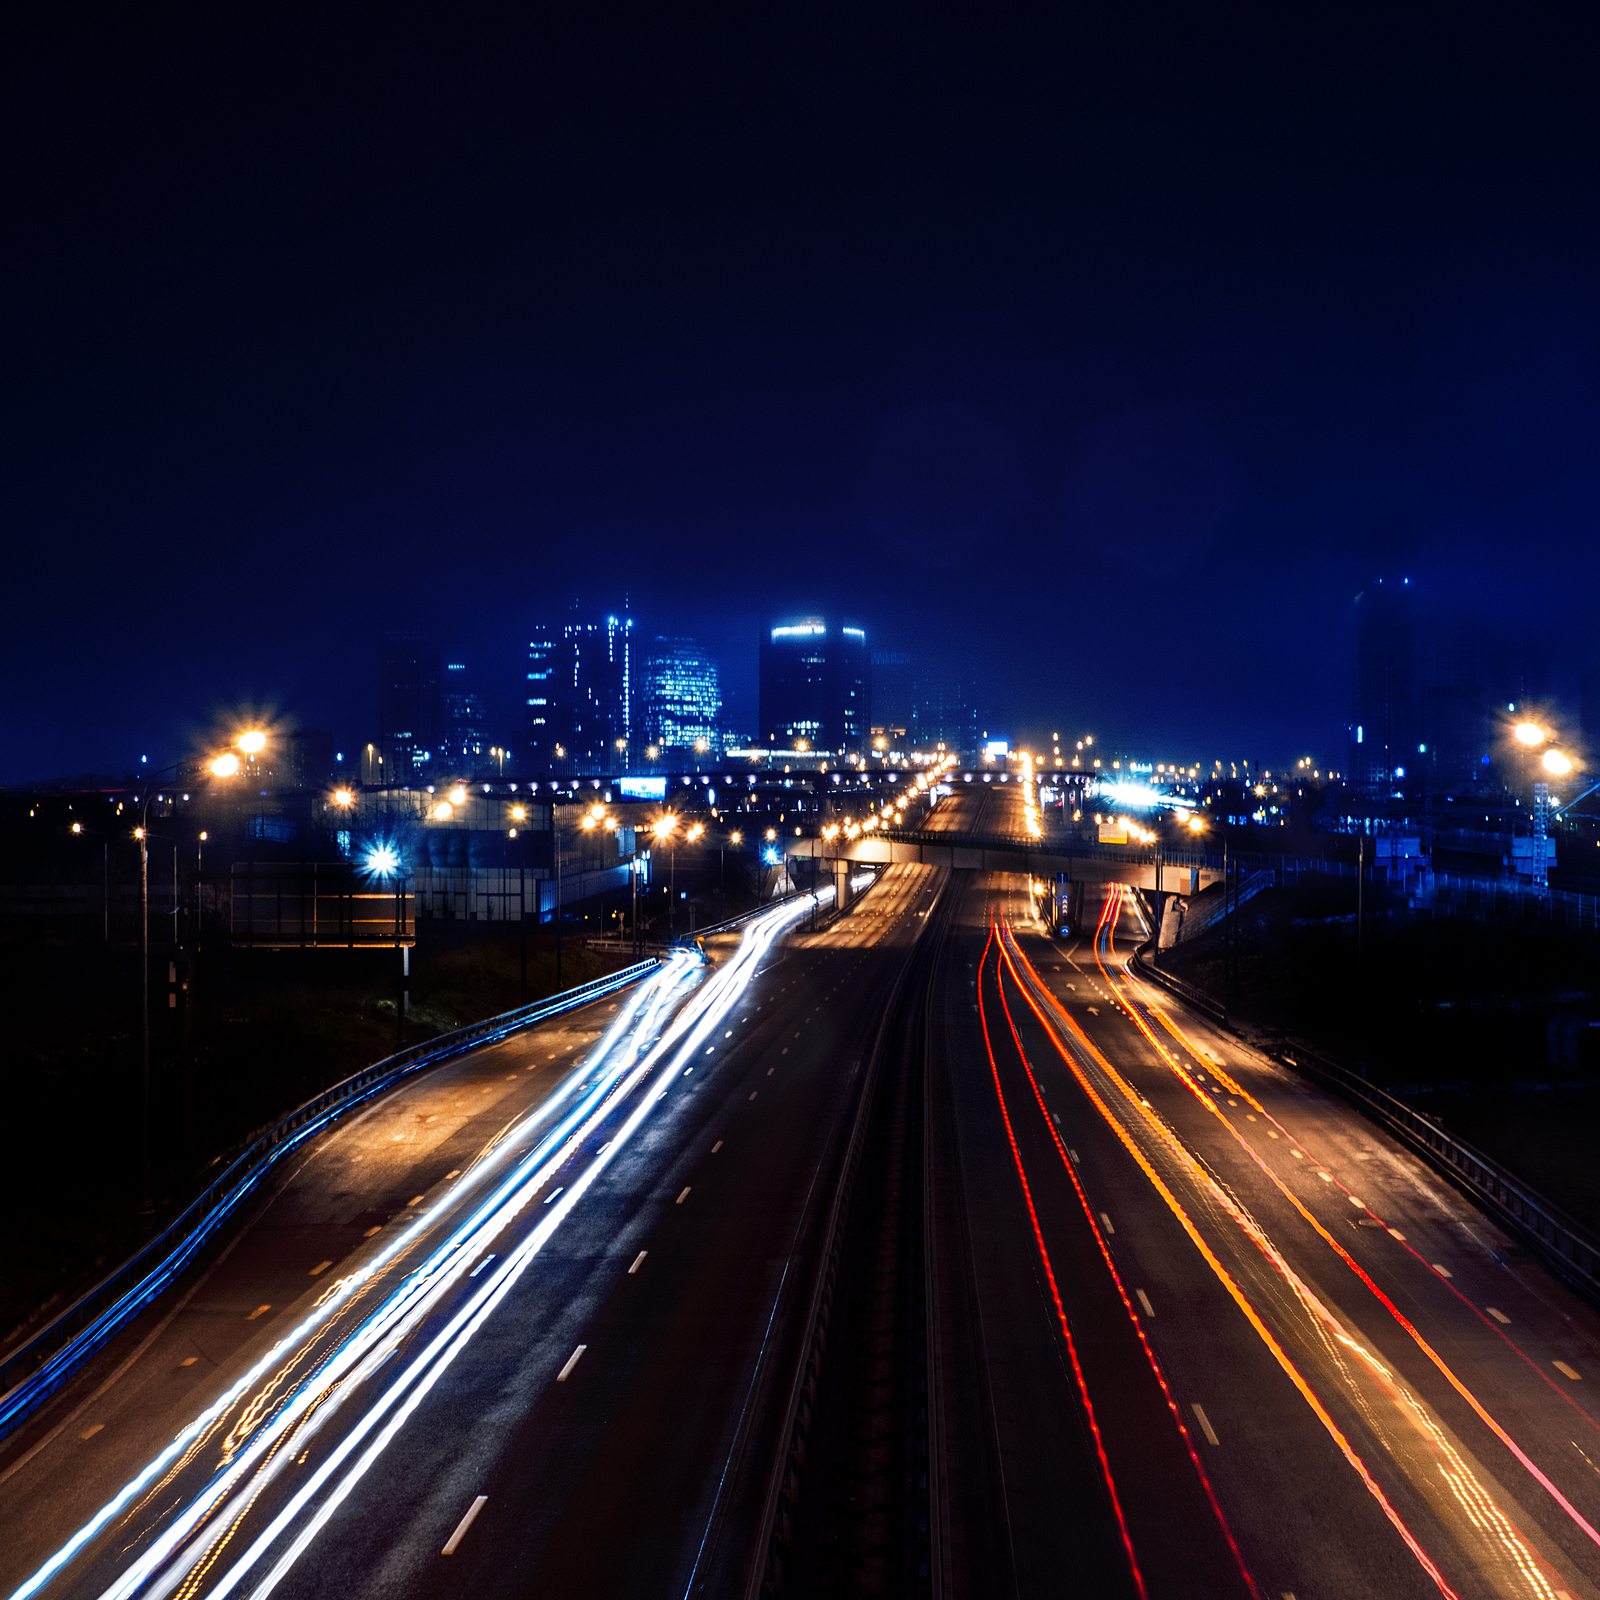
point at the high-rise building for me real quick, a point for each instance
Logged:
(580, 695)
(924, 702)
(815, 685)
(1455, 705)
(465, 742)
(1384, 722)
(409, 712)
(541, 723)
(682, 696)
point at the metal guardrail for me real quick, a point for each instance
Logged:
(36, 1368)
(1563, 1242)
(1198, 998)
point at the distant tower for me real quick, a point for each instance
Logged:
(1383, 723)
(580, 696)
(815, 686)
(409, 712)
(465, 738)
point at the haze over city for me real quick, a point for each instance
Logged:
(801, 802)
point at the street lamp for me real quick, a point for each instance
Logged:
(105, 866)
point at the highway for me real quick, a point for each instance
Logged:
(909, 1252)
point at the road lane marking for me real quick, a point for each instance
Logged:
(784, 1051)
(1566, 1371)
(682, 1197)
(572, 1361)
(1299, 1155)
(1074, 1155)
(259, 1310)
(716, 1147)
(188, 1361)
(465, 1523)
(1396, 1233)
(1444, 1272)
(319, 1269)
(94, 1428)
(1107, 1220)
(415, 1200)
(729, 1033)
(771, 1070)
(1271, 1133)
(1360, 1205)
(376, 1228)
(1144, 1300)
(560, 1188)
(1499, 1316)
(1249, 1116)
(753, 1093)
(1327, 1177)
(449, 1175)
(638, 1261)
(511, 1077)
(481, 1265)
(1205, 1424)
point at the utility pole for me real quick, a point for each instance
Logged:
(146, 1204)
(555, 829)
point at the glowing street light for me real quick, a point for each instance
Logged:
(1529, 733)
(1555, 762)
(225, 766)
(343, 797)
(458, 795)
(252, 743)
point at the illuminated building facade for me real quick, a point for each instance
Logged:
(816, 677)
(682, 696)
(579, 711)
(409, 710)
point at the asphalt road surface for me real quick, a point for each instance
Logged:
(910, 1253)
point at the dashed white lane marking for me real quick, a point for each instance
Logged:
(1499, 1316)
(370, 1231)
(480, 1266)
(1107, 1220)
(1444, 1272)
(682, 1197)
(716, 1147)
(1205, 1423)
(1144, 1300)
(572, 1361)
(560, 1188)
(1360, 1205)
(415, 1200)
(771, 1070)
(466, 1522)
(91, 1431)
(1327, 1177)
(188, 1361)
(1396, 1233)
(259, 1311)
(1567, 1372)
(1075, 1161)
(638, 1261)
(753, 1093)
(319, 1269)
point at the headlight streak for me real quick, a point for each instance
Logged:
(658, 989)
(733, 980)
(364, 1350)
(1333, 1244)
(1506, 1545)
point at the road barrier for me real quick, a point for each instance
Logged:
(1560, 1240)
(37, 1368)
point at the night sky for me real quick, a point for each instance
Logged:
(1111, 346)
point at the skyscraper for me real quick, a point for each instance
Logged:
(409, 712)
(580, 695)
(933, 699)
(682, 695)
(815, 685)
(1384, 722)
(465, 736)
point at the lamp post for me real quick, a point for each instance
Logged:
(105, 871)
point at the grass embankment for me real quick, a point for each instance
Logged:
(265, 1031)
(1452, 1015)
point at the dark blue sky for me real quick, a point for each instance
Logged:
(1115, 346)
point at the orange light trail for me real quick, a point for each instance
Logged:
(1224, 1277)
(1116, 1278)
(1055, 1291)
(1333, 1244)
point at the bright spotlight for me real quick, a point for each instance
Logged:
(443, 811)
(1529, 733)
(1557, 763)
(225, 766)
(383, 860)
(251, 742)
(458, 795)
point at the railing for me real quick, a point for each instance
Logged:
(33, 1371)
(1146, 968)
(1563, 1242)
